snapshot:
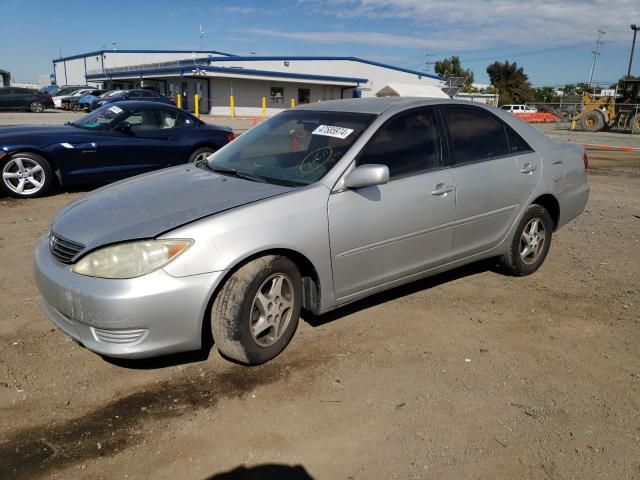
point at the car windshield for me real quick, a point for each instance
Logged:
(292, 148)
(99, 118)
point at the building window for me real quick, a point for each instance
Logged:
(304, 95)
(277, 94)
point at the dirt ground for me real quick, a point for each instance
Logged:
(470, 374)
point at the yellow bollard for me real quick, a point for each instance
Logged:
(264, 107)
(196, 105)
(573, 124)
(293, 103)
(179, 101)
(232, 107)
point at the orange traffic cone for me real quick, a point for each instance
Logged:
(255, 122)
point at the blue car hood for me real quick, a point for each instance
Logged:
(149, 205)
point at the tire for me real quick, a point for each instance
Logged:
(245, 325)
(36, 107)
(198, 157)
(525, 256)
(635, 124)
(26, 175)
(592, 121)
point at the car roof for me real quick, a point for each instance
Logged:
(133, 104)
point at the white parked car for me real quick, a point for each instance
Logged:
(57, 100)
(519, 109)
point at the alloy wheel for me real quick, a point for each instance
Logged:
(23, 175)
(532, 241)
(272, 309)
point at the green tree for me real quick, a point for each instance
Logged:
(451, 67)
(511, 82)
(546, 95)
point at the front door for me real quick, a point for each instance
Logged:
(495, 173)
(387, 232)
(150, 144)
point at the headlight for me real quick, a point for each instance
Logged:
(131, 259)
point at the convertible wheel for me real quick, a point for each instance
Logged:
(36, 107)
(530, 243)
(26, 175)
(255, 314)
(199, 157)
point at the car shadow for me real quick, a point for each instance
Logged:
(401, 291)
(264, 472)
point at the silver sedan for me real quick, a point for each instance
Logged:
(313, 209)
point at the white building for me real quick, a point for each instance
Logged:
(217, 76)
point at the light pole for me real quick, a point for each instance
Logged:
(635, 29)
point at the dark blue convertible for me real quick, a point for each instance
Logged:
(113, 142)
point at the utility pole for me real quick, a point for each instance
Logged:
(596, 52)
(633, 45)
(427, 63)
(201, 37)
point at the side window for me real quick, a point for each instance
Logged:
(5, 92)
(407, 144)
(146, 120)
(516, 142)
(148, 94)
(134, 94)
(476, 134)
(185, 121)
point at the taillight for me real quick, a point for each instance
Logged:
(585, 159)
(230, 136)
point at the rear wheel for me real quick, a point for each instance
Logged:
(635, 124)
(530, 243)
(255, 314)
(592, 122)
(26, 175)
(199, 157)
(36, 107)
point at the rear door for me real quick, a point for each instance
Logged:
(386, 232)
(151, 144)
(495, 172)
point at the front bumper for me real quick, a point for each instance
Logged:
(156, 314)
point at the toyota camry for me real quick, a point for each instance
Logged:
(315, 208)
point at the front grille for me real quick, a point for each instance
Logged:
(121, 337)
(62, 249)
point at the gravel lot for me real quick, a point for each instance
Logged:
(470, 374)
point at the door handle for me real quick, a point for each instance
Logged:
(442, 189)
(170, 138)
(528, 168)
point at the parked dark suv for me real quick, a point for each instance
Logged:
(136, 94)
(14, 98)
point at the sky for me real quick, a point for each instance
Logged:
(552, 40)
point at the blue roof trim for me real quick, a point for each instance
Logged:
(100, 52)
(352, 59)
(240, 71)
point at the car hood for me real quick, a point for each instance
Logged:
(149, 205)
(11, 135)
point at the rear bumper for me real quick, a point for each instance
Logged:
(147, 316)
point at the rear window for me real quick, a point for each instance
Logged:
(476, 134)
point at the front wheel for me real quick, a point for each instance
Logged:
(200, 156)
(26, 175)
(530, 243)
(36, 107)
(592, 121)
(256, 312)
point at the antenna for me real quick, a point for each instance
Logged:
(201, 37)
(596, 53)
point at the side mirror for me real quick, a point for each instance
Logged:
(367, 176)
(124, 127)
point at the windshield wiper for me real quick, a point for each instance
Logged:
(238, 173)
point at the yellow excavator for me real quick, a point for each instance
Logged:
(623, 112)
